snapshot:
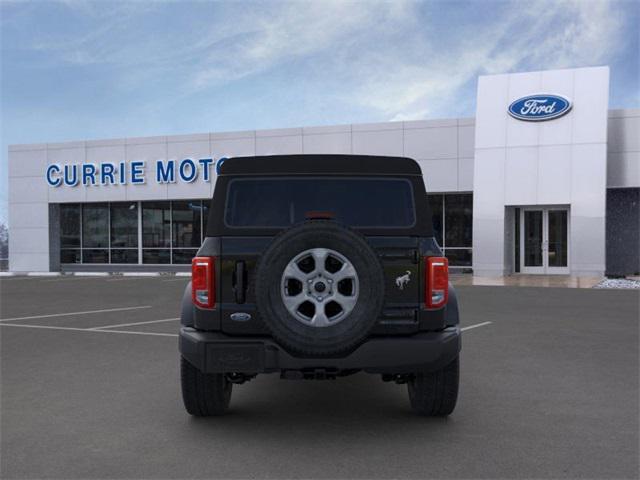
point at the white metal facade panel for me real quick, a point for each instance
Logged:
(623, 146)
(440, 175)
(28, 262)
(466, 141)
(491, 131)
(623, 169)
(279, 145)
(337, 142)
(378, 142)
(431, 143)
(536, 164)
(465, 174)
(27, 160)
(29, 240)
(554, 174)
(29, 237)
(624, 133)
(233, 147)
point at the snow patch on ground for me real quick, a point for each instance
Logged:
(618, 283)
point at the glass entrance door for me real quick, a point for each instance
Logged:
(544, 242)
(557, 241)
(533, 241)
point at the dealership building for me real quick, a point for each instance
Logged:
(545, 179)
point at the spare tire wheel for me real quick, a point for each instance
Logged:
(319, 288)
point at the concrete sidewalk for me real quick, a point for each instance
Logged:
(521, 280)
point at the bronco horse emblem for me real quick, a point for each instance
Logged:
(402, 280)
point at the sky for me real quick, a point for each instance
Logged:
(75, 70)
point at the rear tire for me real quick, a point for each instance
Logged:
(435, 394)
(204, 394)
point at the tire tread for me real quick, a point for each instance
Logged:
(435, 393)
(203, 394)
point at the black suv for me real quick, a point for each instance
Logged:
(316, 267)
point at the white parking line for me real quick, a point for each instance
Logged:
(156, 334)
(124, 279)
(475, 326)
(73, 329)
(69, 278)
(20, 278)
(135, 323)
(74, 313)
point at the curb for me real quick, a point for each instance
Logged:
(140, 274)
(95, 274)
(89, 274)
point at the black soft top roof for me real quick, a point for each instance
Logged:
(319, 164)
(326, 165)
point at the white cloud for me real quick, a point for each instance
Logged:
(531, 35)
(293, 31)
(235, 41)
(389, 57)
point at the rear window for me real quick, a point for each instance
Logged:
(357, 202)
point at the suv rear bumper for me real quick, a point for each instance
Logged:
(214, 352)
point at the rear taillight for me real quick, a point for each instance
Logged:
(203, 288)
(436, 281)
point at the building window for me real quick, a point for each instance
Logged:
(156, 232)
(70, 238)
(124, 255)
(458, 257)
(453, 226)
(95, 233)
(70, 256)
(205, 216)
(186, 230)
(124, 232)
(458, 220)
(95, 255)
(171, 232)
(437, 218)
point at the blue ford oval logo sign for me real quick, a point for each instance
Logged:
(536, 108)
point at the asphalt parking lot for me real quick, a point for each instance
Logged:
(549, 389)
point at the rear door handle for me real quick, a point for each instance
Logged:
(239, 284)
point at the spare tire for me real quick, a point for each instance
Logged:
(319, 288)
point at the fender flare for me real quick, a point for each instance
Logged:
(451, 312)
(187, 308)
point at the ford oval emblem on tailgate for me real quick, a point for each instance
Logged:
(240, 317)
